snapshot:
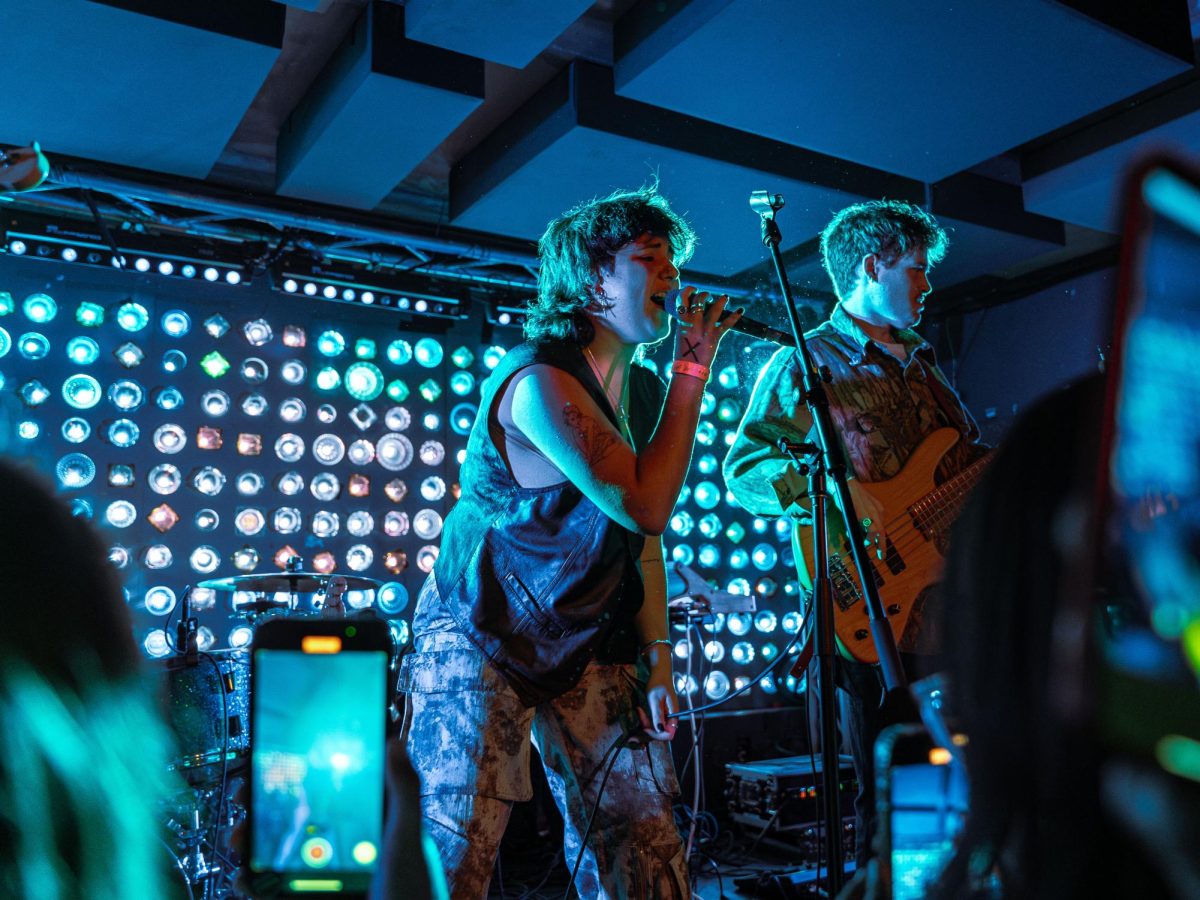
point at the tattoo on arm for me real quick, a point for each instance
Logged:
(691, 349)
(593, 440)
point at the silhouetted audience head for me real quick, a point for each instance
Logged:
(1038, 808)
(81, 747)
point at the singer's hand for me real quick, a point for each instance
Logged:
(702, 328)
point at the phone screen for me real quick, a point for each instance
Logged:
(1156, 463)
(923, 807)
(317, 766)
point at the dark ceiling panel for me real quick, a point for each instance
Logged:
(1078, 177)
(926, 88)
(1088, 191)
(576, 139)
(977, 249)
(381, 106)
(974, 250)
(989, 231)
(511, 32)
(97, 81)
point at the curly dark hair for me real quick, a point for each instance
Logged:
(579, 245)
(888, 228)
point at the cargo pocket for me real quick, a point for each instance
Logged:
(659, 871)
(653, 765)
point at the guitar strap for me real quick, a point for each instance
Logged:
(943, 394)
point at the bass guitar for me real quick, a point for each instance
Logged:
(918, 516)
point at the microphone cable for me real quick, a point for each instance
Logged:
(609, 759)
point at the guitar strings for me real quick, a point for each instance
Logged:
(943, 500)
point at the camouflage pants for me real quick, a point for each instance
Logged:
(469, 738)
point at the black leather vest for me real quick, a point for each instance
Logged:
(540, 579)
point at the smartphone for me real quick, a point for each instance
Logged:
(921, 792)
(318, 723)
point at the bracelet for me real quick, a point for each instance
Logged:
(647, 646)
(683, 367)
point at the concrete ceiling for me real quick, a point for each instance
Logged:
(479, 120)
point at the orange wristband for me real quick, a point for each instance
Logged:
(682, 367)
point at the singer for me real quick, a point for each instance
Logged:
(886, 395)
(545, 617)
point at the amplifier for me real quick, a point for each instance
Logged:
(784, 795)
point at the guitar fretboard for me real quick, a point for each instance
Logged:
(934, 513)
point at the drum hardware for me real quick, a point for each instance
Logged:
(700, 600)
(205, 699)
(199, 825)
(288, 582)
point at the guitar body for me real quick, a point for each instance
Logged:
(917, 517)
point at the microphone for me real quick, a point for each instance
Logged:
(743, 325)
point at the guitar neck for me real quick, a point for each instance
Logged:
(938, 509)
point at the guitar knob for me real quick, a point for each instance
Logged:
(893, 609)
(862, 634)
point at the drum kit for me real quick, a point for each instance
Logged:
(205, 698)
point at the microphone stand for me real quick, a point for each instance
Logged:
(825, 465)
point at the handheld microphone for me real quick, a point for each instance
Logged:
(743, 325)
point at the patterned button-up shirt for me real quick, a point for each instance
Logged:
(882, 408)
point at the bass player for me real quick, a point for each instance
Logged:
(887, 396)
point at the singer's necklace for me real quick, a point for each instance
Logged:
(622, 416)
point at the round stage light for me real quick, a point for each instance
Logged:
(164, 479)
(286, 520)
(132, 317)
(126, 395)
(492, 356)
(360, 523)
(33, 345)
(120, 514)
(359, 558)
(326, 524)
(462, 417)
(75, 470)
(364, 381)
(360, 452)
(76, 430)
(39, 308)
(155, 644)
(254, 370)
(123, 433)
(83, 351)
(325, 486)
(716, 685)
(428, 353)
(173, 361)
(293, 371)
(169, 438)
(176, 323)
(427, 524)
(399, 352)
(392, 598)
(331, 343)
(328, 378)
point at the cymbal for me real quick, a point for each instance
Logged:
(288, 582)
